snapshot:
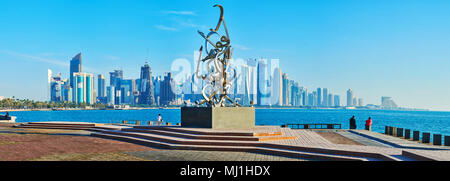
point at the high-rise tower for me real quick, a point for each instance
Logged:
(147, 95)
(75, 67)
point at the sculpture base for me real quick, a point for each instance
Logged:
(218, 117)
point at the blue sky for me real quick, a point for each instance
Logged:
(397, 48)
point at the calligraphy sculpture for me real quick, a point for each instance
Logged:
(219, 75)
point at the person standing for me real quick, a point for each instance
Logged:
(369, 124)
(353, 123)
(159, 119)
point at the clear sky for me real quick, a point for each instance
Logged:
(397, 48)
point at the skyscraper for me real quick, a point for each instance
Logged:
(262, 93)
(56, 88)
(101, 85)
(110, 95)
(168, 90)
(319, 97)
(75, 67)
(286, 88)
(147, 95)
(325, 97)
(337, 101)
(115, 80)
(305, 97)
(330, 100)
(157, 89)
(83, 92)
(253, 79)
(277, 88)
(350, 98)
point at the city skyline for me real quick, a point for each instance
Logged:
(364, 49)
(271, 88)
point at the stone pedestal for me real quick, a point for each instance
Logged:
(391, 130)
(399, 132)
(426, 137)
(407, 134)
(218, 117)
(437, 139)
(416, 135)
(447, 140)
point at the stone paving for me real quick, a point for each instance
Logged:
(190, 155)
(400, 142)
(309, 138)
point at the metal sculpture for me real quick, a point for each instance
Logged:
(220, 75)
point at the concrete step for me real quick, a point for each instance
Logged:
(254, 149)
(64, 124)
(253, 144)
(197, 132)
(206, 137)
(180, 140)
(53, 127)
(373, 156)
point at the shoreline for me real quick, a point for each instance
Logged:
(148, 108)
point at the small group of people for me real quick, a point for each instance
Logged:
(368, 123)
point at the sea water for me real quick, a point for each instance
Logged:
(424, 121)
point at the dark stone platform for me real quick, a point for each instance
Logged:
(218, 117)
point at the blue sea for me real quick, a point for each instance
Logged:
(424, 121)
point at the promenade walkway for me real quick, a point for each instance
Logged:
(268, 140)
(397, 142)
(309, 138)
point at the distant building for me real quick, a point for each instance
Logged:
(101, 88)
(101, 85)
(350, 98)
(75, 67)
(157, 89)
(325, 97)
(319, 97)
(83, 92)
(388, 103)
(127, 86)
(114, 81)
(337, 101)
(110, 95)
(146, 91)
(304, 97)
(168, 90)
(330, 100)
(295, 96)
(277, 88)
(286, 90)
(56, 89)
(360, 102)
(262, 94)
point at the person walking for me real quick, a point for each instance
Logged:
(369, 124)
(353, 123)
(159, 119)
